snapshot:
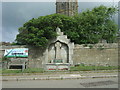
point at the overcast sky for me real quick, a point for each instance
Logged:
(15, 14)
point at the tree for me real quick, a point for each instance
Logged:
(90, 26)
(38, 32)
(96, 25)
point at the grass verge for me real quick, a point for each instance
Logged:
(92, 68)
(29, 70)
(75, 68)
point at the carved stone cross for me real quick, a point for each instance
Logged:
(58, 50)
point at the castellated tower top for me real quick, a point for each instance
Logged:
(67, 7)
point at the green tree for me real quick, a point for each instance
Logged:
(90, 26)
(96, 25)
(38, 32)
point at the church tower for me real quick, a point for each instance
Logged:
(67, 7)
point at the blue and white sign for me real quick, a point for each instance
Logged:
(16, 52)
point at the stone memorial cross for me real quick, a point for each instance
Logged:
(58, 51)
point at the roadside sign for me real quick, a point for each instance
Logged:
(16, 52)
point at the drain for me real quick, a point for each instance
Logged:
(100, 83)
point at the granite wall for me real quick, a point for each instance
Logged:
(96, 55)
(99, 54)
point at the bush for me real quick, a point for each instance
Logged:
(90, 46)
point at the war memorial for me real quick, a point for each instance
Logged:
(61, 53)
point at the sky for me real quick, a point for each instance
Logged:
(15, 14)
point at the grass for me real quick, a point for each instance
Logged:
(4, 71)
(29, 70)
(34, 70)
(75, 68)
(92, 68)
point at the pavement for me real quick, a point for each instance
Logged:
(65, 83)
(60, 75)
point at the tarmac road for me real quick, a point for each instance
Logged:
(72, 83)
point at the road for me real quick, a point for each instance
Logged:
(73, 83)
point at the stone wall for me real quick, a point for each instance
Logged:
(119, 50)
(36, 57)
(13, 61)
(99, 54)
